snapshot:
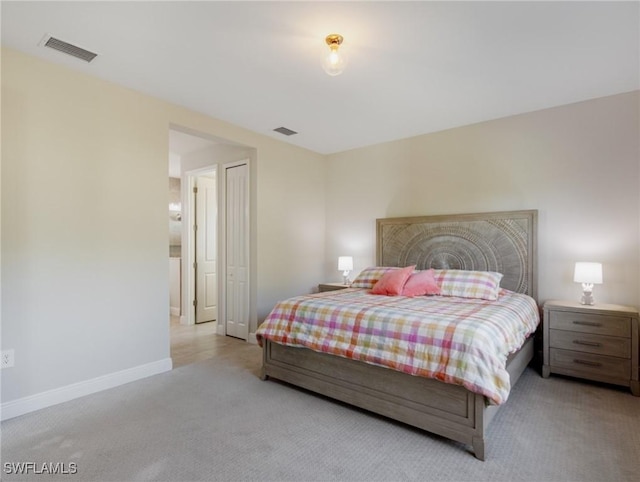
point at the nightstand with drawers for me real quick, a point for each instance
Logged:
(596, 342)
(331, 286)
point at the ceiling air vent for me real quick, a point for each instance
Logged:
(69, 49)
(285, 131)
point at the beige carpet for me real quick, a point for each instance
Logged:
(215, 420)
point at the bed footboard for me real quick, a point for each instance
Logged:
(448, 410)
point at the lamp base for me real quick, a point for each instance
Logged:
(587, 298)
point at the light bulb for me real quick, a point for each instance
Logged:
(335, 61)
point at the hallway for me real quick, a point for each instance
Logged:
(194, 343)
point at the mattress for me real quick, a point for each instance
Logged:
(461, 341)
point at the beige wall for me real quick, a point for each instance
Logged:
(85, 278)
(577, 164)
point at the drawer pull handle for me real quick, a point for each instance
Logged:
(586, 323)
(587, 343)
(588, 363)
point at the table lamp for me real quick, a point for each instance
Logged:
(345, 264)
(588, 274)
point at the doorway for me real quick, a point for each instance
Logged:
(211, 257)
(208, 293)
(199, 161)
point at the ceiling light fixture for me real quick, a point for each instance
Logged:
(334, 62)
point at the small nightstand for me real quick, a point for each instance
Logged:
(597, 342)
(331, 286)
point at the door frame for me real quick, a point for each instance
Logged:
(188, 316)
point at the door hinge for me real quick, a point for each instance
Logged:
(195, 265)
(195, 302)
(195, 190)
(195, 227)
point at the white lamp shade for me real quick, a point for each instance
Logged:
(588, 273)
(345, 263)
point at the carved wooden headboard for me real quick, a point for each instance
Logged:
(505, 242)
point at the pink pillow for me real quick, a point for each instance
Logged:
(392, 282)
(421, 283)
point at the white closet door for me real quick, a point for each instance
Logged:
(237, 251)
(206, 250)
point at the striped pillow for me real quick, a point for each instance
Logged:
(370, 276)
(484, 285)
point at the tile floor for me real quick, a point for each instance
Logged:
(193, 343)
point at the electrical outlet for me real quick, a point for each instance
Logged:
(7, 358)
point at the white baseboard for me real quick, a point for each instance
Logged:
(174, 310)
(38, 401)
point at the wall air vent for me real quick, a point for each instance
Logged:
(285, 131)
(67, 48)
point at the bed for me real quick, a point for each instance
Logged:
(502, 242)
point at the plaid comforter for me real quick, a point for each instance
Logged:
(455, 340)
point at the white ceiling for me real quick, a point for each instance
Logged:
(414, 67)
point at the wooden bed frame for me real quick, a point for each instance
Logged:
(503, 242)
